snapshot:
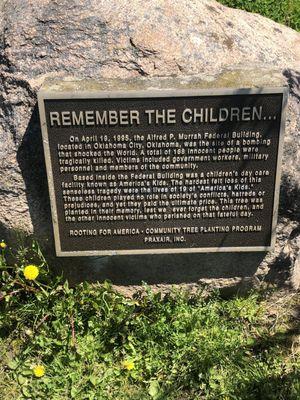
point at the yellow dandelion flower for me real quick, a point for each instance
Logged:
(31, 272)
(128, 364)
(39, 371)
(3, 245)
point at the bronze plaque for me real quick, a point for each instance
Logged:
(163, 171)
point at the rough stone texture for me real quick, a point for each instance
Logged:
(127, 39)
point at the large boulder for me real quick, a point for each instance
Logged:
(126, 39)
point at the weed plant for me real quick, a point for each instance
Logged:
(91, 343)
(286, 12)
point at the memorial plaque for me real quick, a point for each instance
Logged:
(163, 171)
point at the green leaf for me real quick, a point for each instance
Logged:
(12, 364)
(74, 392)
(27, 372)
(21, 379)
(154, 389)
(25, 391)
(94, 380)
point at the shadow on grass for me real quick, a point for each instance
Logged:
(264, 370)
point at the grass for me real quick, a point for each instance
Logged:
(286, 12)
(95, 343)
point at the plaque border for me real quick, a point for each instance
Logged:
(47, 94)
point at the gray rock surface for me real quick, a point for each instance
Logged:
(127, 39)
